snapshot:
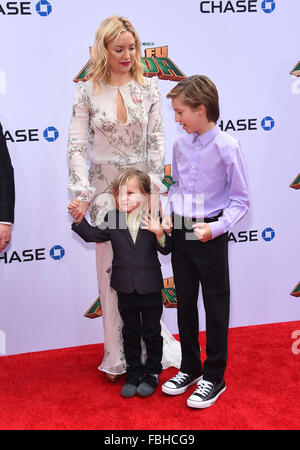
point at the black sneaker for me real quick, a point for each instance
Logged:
(148, 385)
(206, 394)
(179, 384)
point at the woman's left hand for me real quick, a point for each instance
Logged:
(78, 209)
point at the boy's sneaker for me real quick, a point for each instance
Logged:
(206, 394)
(179, 384)
(148, 385)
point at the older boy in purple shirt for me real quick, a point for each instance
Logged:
(209, 196)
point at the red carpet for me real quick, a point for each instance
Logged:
(62, 389)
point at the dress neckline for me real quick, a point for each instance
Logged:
(119, 87)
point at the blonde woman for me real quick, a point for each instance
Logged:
(116, 125)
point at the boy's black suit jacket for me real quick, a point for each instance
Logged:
(135, 266)
(7, 185)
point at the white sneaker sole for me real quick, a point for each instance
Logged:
(174, 391)
(204, 404)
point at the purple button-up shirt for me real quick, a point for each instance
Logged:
(209, 175)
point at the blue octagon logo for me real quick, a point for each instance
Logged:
(51, 134)
(43, 8)
(268, 6)
(57, 252)
(268, 234)
(267, 123)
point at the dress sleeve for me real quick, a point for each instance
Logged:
(155, 138)
(79, 183)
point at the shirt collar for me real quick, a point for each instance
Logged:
(207, 136)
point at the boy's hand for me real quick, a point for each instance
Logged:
(151, 222)
(78, 209)
(5, 235)
(202, 231)
(167, 224)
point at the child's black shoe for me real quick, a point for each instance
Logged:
(130, 387)
(148, 385)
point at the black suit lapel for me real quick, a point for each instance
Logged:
(122, 225)
(139, 236)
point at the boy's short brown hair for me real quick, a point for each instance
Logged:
(142, 178)
(198, 90)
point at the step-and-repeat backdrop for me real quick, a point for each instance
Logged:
(250, 49)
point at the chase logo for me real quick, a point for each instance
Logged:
(43, 8)
(268, 234)
(267, 123)
(236, 6)
(57, 252)
(51, 134)
(268, 6)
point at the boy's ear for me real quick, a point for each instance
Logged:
(201, 109)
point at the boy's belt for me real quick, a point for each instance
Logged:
(192, 220)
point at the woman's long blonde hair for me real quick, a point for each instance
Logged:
(108, 30)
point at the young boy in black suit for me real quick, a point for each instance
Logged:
(136, 275)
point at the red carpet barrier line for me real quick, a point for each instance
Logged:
(62, 389)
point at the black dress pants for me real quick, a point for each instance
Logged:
(141, 314)
(194, 261)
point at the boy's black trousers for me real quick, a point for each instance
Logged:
(194, 261)
(141, 314)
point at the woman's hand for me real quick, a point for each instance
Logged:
(78, 209)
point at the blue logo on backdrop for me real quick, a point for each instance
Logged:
(51, 134)
(57, 252)
(268, 6)
(268, 234)
(267, 123)
(43, 8)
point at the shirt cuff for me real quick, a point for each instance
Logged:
(216, 228)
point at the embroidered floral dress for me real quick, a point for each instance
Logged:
(99, 148)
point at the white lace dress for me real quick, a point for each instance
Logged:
(99, 147)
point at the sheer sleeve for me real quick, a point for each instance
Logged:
(155, 138)
(79, 183)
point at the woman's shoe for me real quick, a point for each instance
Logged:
(112, 378)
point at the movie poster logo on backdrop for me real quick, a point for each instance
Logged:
(295, 72)
(156, 62)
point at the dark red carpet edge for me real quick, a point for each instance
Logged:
(63, 390)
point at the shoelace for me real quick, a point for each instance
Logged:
(180, 377)
(203, 388)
